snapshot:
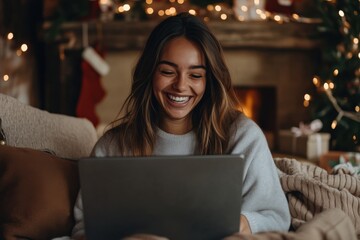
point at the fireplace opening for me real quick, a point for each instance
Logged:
(259, 104)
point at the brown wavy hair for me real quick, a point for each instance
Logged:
(213, 115)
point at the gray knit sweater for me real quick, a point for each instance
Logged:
(264, 203)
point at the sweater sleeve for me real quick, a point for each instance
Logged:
(263, 201)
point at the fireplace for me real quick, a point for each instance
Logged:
(259, 104)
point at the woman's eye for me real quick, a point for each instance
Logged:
(196, 75)
(166, 73)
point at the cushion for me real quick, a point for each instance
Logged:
(38, 191)
(29, 127)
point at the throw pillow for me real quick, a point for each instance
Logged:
(38, 191)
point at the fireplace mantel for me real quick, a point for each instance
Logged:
(121, 35)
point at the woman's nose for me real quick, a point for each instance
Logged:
(180, 83)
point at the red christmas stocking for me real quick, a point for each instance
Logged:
(91, 92)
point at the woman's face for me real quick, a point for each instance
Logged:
(179, 83)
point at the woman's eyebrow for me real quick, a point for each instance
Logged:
(175, 65)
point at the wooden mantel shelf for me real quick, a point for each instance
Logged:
(120, 35)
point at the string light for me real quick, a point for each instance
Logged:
(127, 7)
(24, 47)
(121, 9)
(210, 7)
(316, 81)
(218, 8)
(307, 99)
(244, 8)
(192, 12)
(161, 13)
(336, 72)
(150, 10)
(333, 124)
(223, 16)
(10, 36)
(6, 78)
(341, 13)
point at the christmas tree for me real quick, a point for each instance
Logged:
(338, 82)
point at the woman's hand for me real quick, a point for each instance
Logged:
(144, 237)
(244, 225)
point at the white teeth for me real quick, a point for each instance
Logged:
(178, 99)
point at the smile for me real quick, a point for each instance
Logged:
(178, 99)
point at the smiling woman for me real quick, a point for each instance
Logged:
(182, 102)
(179, 84)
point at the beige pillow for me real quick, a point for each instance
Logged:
(38, 191)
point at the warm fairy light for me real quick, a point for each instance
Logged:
(121, 9)
(295, 16)
(180, 1)
(127, 7)
(210, 7)
(172, 11)
(223, 16)
(172, 1)
(18, 52)
(192, 12)
(307, 99)
(244, 8)
(10, 36)
(357, 109)
(354, 138)
(356, 41)
(149, 2)
(6, 77)
(331, 85)
(218, 8)
(359, 55)
(257, 2)
(167, 12)
(326, 86)
(336, 72)
(161, 13)
(241, 18)
(341, 13)
(263, 16)
(277, 18)
(334, 124)
(349, 55)
(306, 103)
(316, 81)
(149, 10)
(258, 11)
(24, 47)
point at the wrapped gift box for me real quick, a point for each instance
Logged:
(310, 146)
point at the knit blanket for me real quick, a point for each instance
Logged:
(311, 190)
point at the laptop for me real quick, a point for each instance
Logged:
(178, 197)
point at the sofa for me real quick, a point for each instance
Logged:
(39, 181)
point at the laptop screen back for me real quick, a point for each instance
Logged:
(178, 197)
